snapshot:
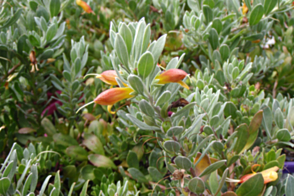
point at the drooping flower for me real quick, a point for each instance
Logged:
(111, 96)
(85, 6)
(108, 77)
(244, 9)
(269, 175)
(173, 75)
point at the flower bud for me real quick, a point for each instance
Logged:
(108, 77)
(173, 75)
(85, 6)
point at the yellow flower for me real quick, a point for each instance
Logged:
(173, 75)
(269, 175)
(112, 96)
(244, 9)
(85, 6)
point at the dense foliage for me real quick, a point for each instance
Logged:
(161, 97)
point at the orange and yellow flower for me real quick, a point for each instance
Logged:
(108, 77)
(85, 6)
(172, 76)
(244, 9)
(112, 96)
(269, 175)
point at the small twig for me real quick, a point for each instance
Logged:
(275, 89)
(240, 27)
(11, 71)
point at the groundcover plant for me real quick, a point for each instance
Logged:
(161, 97)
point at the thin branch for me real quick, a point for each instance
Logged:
(11, 71)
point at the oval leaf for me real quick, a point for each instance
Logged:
(196, 185)
(253, 186)
(101, 161)
(146, 64)
(256, 14)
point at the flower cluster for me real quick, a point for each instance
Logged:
(114, 95)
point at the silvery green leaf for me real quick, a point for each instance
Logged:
(157, 48)
(183, 112)
(217, 25)
(213, 39)
(136, 83)
(205, 104)
(194, 5)
(267, 120)
(269, 6)
(54, 7)
(137, 175)
(164, 97)
(44, 185)
(211, 168)
(203, 153)
(146, 64)
(284, 135)
(146, 108)
(174, 131)
(132, 160)
(172, 146)
(27, 183)
(121, 50)
(247, 78)
(214, 121)
(141, 124)
(196, 185)
(208, 13)
(175, 62)
(155, 174)
(279, 118)
(216, 56)
(5, 183)
(138, 40)
(224, 51)
(194, 128)
(146, 38)
(289, 190)
(34, 182)
(256, 14)
(126, 34)
(222, 181)
(51, 32)
(183, 162)
(235, 73)
(201, 145)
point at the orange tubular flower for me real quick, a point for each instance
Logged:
(112, 96)
(244, 9)
(108, 77)
(173, 75)
(269, 175)
(85, 6)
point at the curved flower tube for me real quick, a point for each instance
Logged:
(173, 75)
(269, 175)
(85, 6)
(110, 97)
(107, 76)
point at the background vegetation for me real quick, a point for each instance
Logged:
(236, 117)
